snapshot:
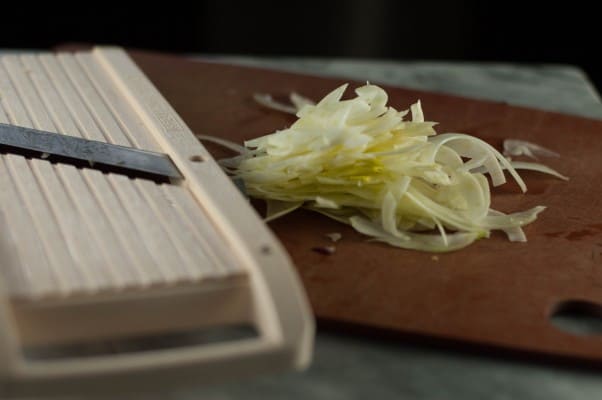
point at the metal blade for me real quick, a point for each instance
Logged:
(90, 151)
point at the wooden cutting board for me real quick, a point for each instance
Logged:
(494, 293)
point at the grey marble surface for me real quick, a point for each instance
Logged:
(562, 88)
(360, 367)
(357, 368)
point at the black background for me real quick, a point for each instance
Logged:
(553, 32)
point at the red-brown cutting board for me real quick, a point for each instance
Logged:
(493, 292)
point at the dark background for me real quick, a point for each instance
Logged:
(552, 32)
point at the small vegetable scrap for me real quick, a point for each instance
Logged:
(515, 147)
(334, 236)
(392, 178)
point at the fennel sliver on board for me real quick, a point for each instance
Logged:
(361, 162)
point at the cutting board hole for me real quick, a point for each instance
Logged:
(197, 159)
(578, 317)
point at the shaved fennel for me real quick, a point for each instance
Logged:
(514, 147)
(392, 178)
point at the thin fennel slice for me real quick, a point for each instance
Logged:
(527, 166)
(277, 208)
(515, 147)
(538, 168)
(269, 102)
(362, 162)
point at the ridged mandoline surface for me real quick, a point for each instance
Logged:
(79, 230)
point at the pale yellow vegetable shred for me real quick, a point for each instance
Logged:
(384, 172)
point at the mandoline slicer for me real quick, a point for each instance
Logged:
(110, 283)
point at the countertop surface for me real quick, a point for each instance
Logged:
(352, 366)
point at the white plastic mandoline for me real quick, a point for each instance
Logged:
(109, 283)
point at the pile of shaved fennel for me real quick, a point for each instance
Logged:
(395, 180)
